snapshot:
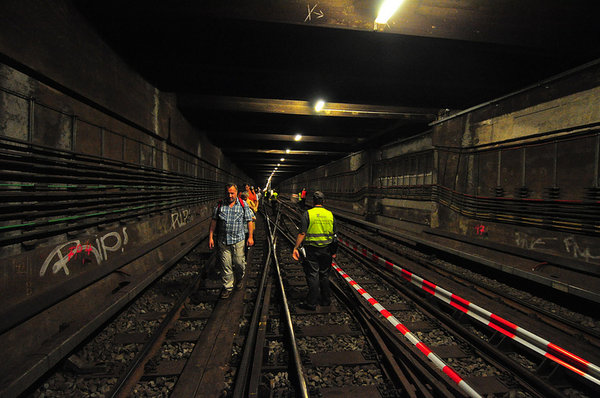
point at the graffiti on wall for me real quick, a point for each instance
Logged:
(71, 250)
(180, 218)
(480, 229)
(580, 252)
(526, 241)
(570, 245)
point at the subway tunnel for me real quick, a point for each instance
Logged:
(466, 129)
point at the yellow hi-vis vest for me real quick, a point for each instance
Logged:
(320, 227)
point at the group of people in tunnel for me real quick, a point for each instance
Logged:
(232, 230)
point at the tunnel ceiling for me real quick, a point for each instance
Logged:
(248, 72)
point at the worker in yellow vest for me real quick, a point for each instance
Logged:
(318, 233)
(273, 200)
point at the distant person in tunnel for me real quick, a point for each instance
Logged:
(303, 198)
(244, 197)
(229, 220)
(318, 233)
(273, 200)
(252, 198)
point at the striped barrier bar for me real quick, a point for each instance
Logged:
(543, 347)
(437, 361)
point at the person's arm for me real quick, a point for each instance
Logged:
(304, 221)
(299, 241)
(211, 233)
(248, 217)
(250, 233)
(335, 243)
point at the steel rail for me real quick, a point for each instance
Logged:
(378, 332)
(297, 362)
(407, 381)
(492, 354)
(240, 388)
(118, 389)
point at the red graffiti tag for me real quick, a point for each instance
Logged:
(480, 229)
(75, 250)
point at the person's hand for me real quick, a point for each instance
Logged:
(296, 254)
(211, 243)
(250, 241)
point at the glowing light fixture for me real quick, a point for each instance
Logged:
(287, 150)
(319, 105)
(297, 137)
(387, 9)
(278, 164)
(282, 159)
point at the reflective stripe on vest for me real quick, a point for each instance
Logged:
(320, 227)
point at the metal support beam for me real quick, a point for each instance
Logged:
(295, 107)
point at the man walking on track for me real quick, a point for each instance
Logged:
(317, 231)
(229, 219)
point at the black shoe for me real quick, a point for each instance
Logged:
(225, 294)
(306, 306)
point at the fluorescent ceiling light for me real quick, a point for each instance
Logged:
(278, 164)
(319, 105)
(297, 137)
(287, 150)
(387, 9)
(282, 159)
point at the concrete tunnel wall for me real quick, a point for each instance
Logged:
(520, 174)
(51, 41)
(71, 108)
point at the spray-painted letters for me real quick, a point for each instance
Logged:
(180, 218)
(571, 246)
(531, 242)
(110, 242)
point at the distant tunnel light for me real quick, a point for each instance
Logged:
(387, 9)
(282, 159)
(297, 137)
(319, 105)
(287, 150)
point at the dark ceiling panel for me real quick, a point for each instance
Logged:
(248, 72)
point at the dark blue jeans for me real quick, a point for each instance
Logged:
(317, 266)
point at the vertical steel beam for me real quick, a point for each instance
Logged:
(523, 160)
(498, 180)
(597, 161)
(73, 132)
(101, 141)
(31, 125)
(477, 176)
(555, 171)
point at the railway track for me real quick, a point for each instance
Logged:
(537, 362)
(388, 333)
(167, 342)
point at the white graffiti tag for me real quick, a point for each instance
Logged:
(571, 246)
(531, 242)
(74, 247)
(180, 218)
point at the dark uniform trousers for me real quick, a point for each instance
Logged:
(317, 266)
